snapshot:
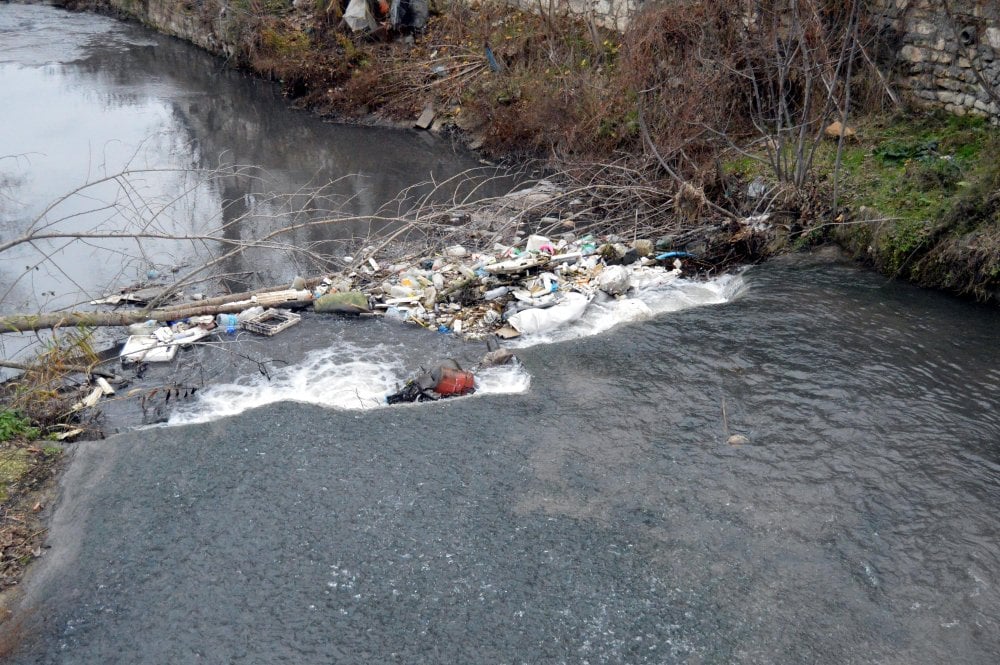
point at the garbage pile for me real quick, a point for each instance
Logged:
(152, 341)
(446, 380)
(532, 286)
(526, 288)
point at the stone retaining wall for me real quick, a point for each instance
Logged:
(614, 14)
(948, 60)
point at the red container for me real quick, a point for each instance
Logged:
(455, 382)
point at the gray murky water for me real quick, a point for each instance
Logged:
(597, 517)
(86, 98)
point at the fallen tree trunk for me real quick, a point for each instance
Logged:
(233, 297)
(31, 322)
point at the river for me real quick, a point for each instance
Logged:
(583, 508)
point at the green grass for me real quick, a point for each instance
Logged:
(14, 463)
(910, 168)
(907, 167)
(14, 426)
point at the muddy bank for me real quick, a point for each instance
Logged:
(28, 476)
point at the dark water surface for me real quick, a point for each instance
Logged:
(600, 517)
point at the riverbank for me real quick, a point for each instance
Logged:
(28, 470)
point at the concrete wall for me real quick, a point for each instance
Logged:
(205, 23)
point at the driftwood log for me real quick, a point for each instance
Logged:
(221, 305)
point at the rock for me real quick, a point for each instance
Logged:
(665, 243)
(835, 129)
(350, 302)
(993, 38)
(426, 118)
(911, 53)
(497, 357)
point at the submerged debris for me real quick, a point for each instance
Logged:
(448, 379)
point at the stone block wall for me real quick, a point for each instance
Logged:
(948, 60)
(613, 14)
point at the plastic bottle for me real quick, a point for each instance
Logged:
(396, 314)
(250, 313)
(227, 321)
(398, 291)
(498, 292)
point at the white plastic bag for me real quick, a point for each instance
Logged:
(359, 17)
(614, 280)
(540, 320)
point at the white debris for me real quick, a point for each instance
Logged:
(536, 320)
(614, 280)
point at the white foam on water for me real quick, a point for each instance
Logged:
(337, 378)
(503, 380)
(341, 377)
(655, 293)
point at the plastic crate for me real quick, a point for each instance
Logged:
(147, 348)
(271, 322)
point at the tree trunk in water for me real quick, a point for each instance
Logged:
(29, 322)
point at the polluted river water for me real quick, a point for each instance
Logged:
(583, 507)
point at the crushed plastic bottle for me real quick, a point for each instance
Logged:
(498, 292)
(227, 322)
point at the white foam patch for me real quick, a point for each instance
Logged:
(333, 378)
(655, 293)
(340, 377)
(503, 380)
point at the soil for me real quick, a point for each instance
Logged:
(23, 517)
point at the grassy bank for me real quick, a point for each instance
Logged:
(25, 467)
(924, 191)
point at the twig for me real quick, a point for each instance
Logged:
(725, 419)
